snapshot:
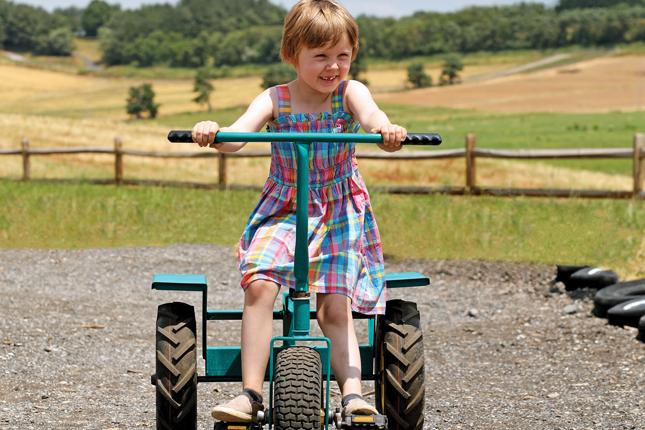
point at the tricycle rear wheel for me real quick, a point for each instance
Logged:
(400, 386)
(176, 367)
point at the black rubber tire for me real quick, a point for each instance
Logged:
(400, 386)
(641, 329)
(563, 272)
(613, 295)
(627, 313)
(296, 389)
(176, 367)
(591, 277)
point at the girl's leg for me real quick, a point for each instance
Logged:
(335, 319)
(334, 313)
(257, 329)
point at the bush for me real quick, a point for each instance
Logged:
(418, 77)
(450, 71)
(140, 100)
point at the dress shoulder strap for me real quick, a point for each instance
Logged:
(284, 99)
(337, 103)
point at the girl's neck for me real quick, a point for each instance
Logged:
(307, 99)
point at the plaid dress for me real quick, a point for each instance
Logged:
(345, 254)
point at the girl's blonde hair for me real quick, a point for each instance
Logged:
(314, 24)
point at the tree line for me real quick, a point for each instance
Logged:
(196, 33)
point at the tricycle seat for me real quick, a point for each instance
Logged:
(406, 279)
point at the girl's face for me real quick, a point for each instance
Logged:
(324, 68)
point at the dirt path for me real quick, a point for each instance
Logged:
(77, 342)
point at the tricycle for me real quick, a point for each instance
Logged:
(299, 372)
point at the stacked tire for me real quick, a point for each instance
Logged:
(623, 304)
(577, 277)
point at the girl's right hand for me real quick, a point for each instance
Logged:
(204, 133)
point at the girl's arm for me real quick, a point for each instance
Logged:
(362, 105)
(259, 112)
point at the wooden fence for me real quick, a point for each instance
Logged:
(471, 154)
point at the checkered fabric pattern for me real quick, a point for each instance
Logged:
(345, 253)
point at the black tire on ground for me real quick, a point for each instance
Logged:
(297, 393)
(400, 387)
(591, 277)
(627, 313)
(176, 367)
(563, 273)
(641, 329)
(613, 295)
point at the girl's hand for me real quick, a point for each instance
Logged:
(393, 135)
(204, 133)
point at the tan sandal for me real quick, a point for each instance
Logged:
(241, 409)
(355, 404)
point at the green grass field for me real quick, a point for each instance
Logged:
(598, 232)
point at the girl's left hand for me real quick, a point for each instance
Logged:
(393, 135)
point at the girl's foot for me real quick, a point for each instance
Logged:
(354, 404)
(241, 409)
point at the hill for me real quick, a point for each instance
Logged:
(612, 83)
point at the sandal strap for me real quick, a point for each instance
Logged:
(256, 402)
(348, 398)
(252, 395)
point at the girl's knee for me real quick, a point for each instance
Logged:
(333, 309)
(261, 291)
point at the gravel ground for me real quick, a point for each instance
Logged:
(504, 349)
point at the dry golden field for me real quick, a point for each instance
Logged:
(611, 83)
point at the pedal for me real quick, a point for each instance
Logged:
(356, 422)
(221, 425)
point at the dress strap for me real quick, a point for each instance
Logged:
(337, 98)
(284, 99)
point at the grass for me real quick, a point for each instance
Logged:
(598, 232)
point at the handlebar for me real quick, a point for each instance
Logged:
(184, 136)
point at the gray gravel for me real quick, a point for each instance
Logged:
(504, 348)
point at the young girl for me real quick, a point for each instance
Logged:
(320, 40)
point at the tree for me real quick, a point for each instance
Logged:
(203, 88)
(418, 77)
(359, 67)
(277, 74)
(140, 100)
(450, 71)
(96, 15)
(59, 41)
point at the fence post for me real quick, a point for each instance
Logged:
(639, 152)
(471, 166)
(222, 170)
(118, 160)
(26, 162)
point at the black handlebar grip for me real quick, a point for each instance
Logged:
(180, 136)
(422, 139)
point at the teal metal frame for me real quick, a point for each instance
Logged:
(223, 363)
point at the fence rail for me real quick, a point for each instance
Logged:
(470, 153)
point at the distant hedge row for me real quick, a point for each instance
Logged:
(230, 32)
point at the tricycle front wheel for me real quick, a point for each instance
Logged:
(297, 389)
